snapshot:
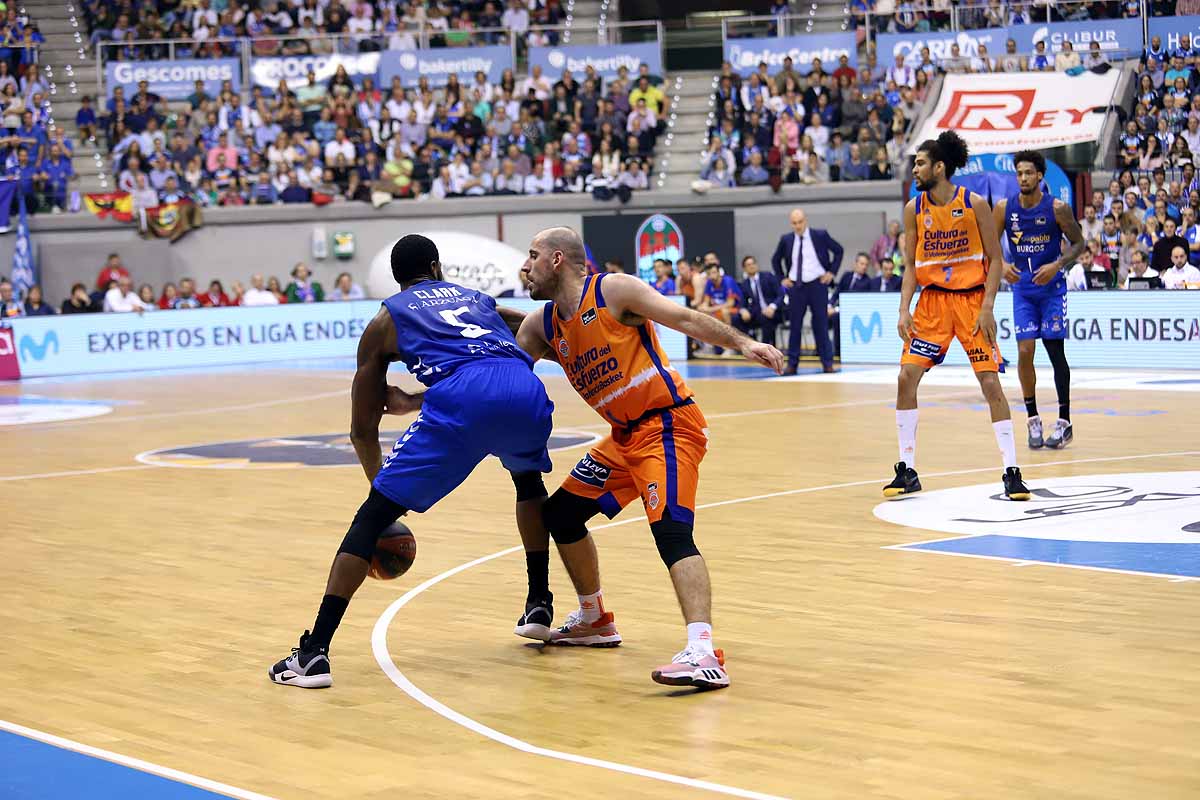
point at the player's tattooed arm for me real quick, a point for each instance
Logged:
(369, 392)
(1070, 228)
(633, 301)
(512, 318)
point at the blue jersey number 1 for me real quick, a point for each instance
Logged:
(947, 270)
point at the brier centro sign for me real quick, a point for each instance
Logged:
(1002, 113)
(745, 54)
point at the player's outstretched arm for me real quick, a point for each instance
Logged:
(908, 281)
(532, 338)
(986, 322)
(512, 318)
(633, 301)
(369, 393)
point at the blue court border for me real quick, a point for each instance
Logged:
(40, 766)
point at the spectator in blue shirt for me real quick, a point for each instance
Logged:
(26, 173)
(56, 172)
(31, 137)
(85, 119)
(754, 173)
(324, 128)
(171, 193)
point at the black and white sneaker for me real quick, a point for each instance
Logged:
(1061, 436)
(905, 482)
(1014, 485)
(306, 667)
(536, 622)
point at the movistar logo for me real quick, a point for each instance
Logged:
(862, 332)
(36, 351)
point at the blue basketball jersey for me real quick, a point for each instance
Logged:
(441, 327)
(1034, 239)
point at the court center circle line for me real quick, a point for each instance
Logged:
(384, 659)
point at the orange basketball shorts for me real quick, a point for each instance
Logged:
(942, 317)
(659, 461)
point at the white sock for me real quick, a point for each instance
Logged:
(906, 430)
(700, 636)
(591, 606)
(1008, 444)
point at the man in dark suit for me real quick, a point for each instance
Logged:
(806, 262)
(763, 300)
(856, 280)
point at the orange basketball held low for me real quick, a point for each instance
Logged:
(394, 553)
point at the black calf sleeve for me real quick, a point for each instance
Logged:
(565, 516)
(1056, 350)
(374, 516)
(674, 540)
(529, 485)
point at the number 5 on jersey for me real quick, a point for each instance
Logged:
(469, 329)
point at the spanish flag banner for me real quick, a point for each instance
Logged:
(118, 205)
(170, 220)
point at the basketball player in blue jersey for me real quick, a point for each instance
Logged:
(1034, 225)
(482, 399)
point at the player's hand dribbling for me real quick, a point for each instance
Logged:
(986, 322)
(764, 354)
(1046, 273)
(1010, 273)
(904, 326)
(399, 401)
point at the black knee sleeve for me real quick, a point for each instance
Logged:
(1056, 351)
(674, 540)
(565, 516)
(529, 485)
(374, 516)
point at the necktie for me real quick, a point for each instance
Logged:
(758, 293)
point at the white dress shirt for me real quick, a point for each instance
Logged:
(259, 297)
(115, 301)
(806, 266)
(1175, 278)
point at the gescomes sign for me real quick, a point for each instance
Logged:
(1006, 112)
(1155, 330)
(173, 80)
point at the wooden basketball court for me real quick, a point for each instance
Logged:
(143, 600)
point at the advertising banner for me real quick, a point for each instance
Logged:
(890, 45)
(1171, 29)
(173, 80)
(1112, 34)
(1007, 112)
(83, 344)
(438, 65)
(1154, 330)
(606, 59)
(745, 54)
(993, 176)
(267, 72)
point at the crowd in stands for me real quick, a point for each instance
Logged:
(902, 16)
(139, 31)
(33, 155)
(348, 139)
(114, 292)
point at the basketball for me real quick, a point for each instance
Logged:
(394, 553)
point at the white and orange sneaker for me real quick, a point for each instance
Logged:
(694, 667)
(601, 633)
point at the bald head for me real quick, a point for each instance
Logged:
(798, 220)
(565, 240)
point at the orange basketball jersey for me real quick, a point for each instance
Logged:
(949, 249)
(619, 371)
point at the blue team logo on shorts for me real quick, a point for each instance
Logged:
(920, 347)
(323, 450)
(591, 472)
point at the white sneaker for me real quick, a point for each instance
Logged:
(694, 667)
(1035, 433)
(1061, 436)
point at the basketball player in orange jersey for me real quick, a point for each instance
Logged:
(950, 241)
(599, 328)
